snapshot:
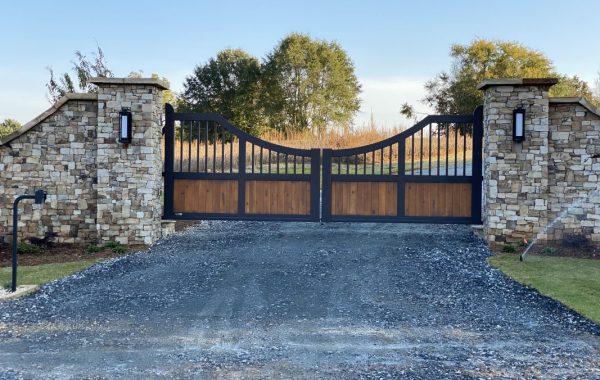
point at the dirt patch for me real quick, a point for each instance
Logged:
(558, 250)
(60, 253)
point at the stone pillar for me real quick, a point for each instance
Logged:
(515, 180)
(129, 176)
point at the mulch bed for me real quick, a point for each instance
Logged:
(59, 253)
(62, 253)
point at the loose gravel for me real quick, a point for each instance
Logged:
(297, 300)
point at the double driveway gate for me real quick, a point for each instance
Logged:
(429, 173)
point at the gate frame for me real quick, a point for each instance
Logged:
(476, 177)
(241, 176)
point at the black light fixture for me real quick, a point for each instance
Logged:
(519, 124)
(125, 126)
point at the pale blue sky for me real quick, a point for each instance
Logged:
(395, 45)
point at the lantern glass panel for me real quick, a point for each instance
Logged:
(519, 124)
(124, 127)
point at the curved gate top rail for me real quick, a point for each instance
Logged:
(431, 172)
(214, 170)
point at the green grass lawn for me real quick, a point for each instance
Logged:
(41, 274)
(573, 282)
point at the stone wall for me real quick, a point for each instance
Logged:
(573, 169)
(129, 176)
(98, 189)
(528, 185)
(57, 153)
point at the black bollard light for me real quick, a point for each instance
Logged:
(39, 197)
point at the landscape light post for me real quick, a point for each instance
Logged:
(39, 197)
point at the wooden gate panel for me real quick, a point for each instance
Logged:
(206, 196)
(364, 198)
(278, 197)
(438, 199)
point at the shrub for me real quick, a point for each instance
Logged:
(26, 248)
(93, 248)
(508, 248)
(116, 247)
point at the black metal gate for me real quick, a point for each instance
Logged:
(429, 173)
(214, 170)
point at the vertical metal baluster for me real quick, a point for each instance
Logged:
(295, 158)
(190, 147)
(421, 155)
(390, 159)
(198, 149)
(206, 149)
(231, 138)
(303, 165)
(277, 153)
(347, 164)
(447, 145)
(286, 163)
(260, 160)
(356, 164)
(252, 158)
(215, 148)
(269, 161)
(222, 149)
(412, 154)
(429, 149)
(365, 163)
(381, 164)
(438, 148)
(181, 146)
(465, 152)
(455, 149)
(373, 162)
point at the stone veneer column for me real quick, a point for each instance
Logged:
(129, 176)
(515, 179)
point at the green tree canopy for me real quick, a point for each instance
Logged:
(309, 84)
(9, 126)
(455, 91)
(228, 84)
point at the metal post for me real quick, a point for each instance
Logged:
(39, 197)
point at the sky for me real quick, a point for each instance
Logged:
(395, 45)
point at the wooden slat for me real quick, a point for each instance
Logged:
(438, 199)
(205, 196)
(278, 197)
(364, 198)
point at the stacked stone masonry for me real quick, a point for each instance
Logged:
(98, 189)
(544, 187)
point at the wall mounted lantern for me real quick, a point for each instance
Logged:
(519, 124)
(125, 126)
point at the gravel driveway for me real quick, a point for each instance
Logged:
(297, 300)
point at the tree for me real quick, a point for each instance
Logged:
(9, 126)
(228, 84)
(309, 84)
(84, 69)
(456, 91)
(572, 86)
